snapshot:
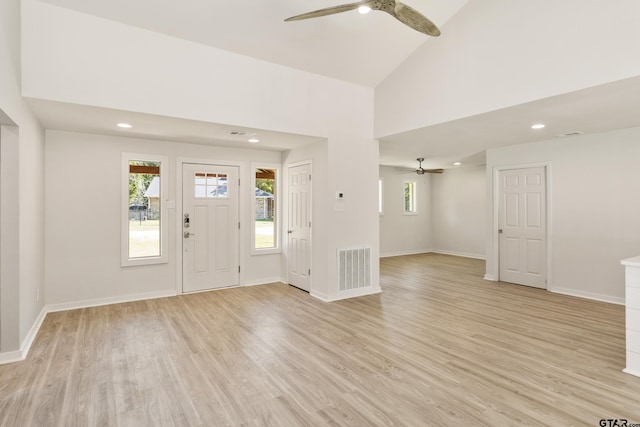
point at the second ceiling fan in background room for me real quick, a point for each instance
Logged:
(403, 13)
(421, 171)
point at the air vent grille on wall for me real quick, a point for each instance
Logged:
(354, 268)
(573, 133)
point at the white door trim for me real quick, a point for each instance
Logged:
(178, 210)
(285, 235)
(496, 210)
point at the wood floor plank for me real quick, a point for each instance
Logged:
(439, 346)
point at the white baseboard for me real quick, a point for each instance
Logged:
(435, 251)
(460, 254)
(11, 357)
(20, 355)
(110, 300)
(353, 293)
(588, 295)
(631, 372)
(33, 332)
(402, 253)
(490, 277)
(264, 282)
(319, 295)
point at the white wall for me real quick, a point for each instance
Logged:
(353, 171)
(594, 209)
(9, 236)
(122, 67)
(498, 53)
(458, 206)
(83, 199)
(404, 234)
(23, 238)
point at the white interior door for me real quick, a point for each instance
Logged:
(299, 265)
(522, 226)
(209, 227)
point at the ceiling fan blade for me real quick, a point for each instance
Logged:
(414, 19)
(329, 11)
(433, 170)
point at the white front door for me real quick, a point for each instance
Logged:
(522, 226)
(209, 227)
(299, 265)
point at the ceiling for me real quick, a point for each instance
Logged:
(598, 109)
(362, 49)
(88, 119)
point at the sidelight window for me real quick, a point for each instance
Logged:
(144, 230)
(265, 212)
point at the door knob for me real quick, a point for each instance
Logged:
(187, 234)
(290, 231)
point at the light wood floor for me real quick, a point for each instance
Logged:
(441, 346)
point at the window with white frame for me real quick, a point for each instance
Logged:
(144, 223)
(265, 211)
(410, 198)
(380, 196)
(210, 185)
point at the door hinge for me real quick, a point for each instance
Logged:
(238, 269)
(238, 226)
(238, 182)
(309, 177)
(309, 272)
(309, 224)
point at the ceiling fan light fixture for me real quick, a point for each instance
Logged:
(400, 11)
(457, 164)
(538, 126)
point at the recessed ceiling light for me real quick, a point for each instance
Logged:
(457, 164)
(364, 9)
(537, 126)
(254, 140)
(124, 125)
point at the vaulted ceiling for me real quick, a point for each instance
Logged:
(362, 49)
(357, 48)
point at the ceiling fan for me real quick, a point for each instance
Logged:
(403, 13)
(422, 171)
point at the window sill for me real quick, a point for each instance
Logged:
(133, 262)
(269, 251)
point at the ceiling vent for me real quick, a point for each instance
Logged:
(241, 133)
(574, 133)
